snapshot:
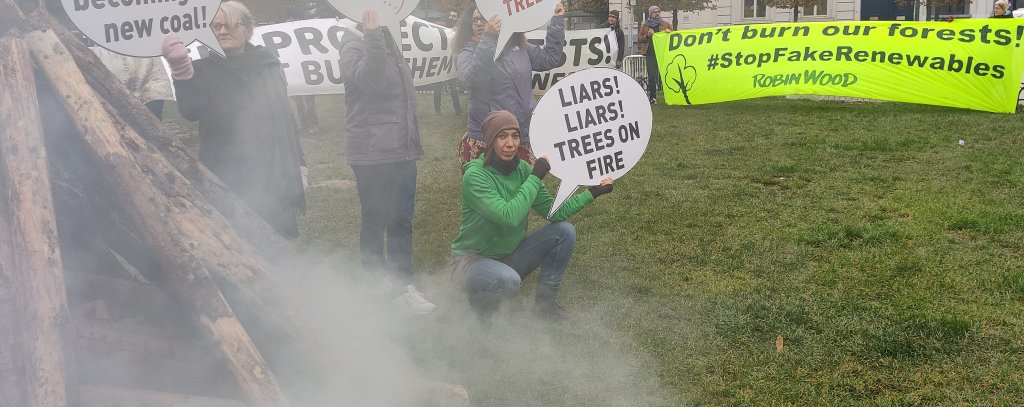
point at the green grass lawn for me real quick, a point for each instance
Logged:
(887, 255)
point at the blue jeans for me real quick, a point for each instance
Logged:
(489, 281)
(387, 199)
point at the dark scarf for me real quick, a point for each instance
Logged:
(654, 23)
(505, 167)
(253, 58)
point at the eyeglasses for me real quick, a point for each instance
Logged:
(230, 27)
(453, 16)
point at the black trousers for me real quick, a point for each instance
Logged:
(387, 199)
(653, 76)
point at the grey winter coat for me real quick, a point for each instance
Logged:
(507, 84)
(381, 121)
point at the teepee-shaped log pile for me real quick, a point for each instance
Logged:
(110, 221)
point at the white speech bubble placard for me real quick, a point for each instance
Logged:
(516, 16)
(391, 12)
(592, 125)
(137, 27)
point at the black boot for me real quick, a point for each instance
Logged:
(546, 306)
(484, 310)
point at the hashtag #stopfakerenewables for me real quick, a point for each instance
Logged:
(848, 54)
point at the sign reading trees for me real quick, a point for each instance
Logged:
(516, 16)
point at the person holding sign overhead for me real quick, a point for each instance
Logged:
(382, 148)
(247, 134)
(504, 83)
(493, 251)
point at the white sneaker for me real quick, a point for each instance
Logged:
(413, 301)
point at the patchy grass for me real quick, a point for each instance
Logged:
(887, 256)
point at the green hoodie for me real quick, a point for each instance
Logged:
(495, 208)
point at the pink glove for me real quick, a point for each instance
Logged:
(177, 57)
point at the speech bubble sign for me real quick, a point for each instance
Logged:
(592, 125)
(391, 12)
(137, 27)
(516, 16)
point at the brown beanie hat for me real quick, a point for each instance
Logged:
(495, 123)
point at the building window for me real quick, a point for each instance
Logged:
(960, 8)
(754, 9)
(816, 8)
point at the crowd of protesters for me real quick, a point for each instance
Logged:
(249, 138)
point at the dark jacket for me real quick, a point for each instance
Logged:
(380, 99)
(247, 132)
(619, 36)
(506, 84)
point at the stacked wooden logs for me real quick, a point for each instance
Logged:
(101, 195)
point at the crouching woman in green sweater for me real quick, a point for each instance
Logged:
(493, 252)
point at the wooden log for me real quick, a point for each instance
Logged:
(269, 316)
(445, 394)
(37, 264)
(10, 15)
(185, 240)
(110, 396)
(125, 299)
(10, 374)
(88, 209)
(136, 353)
(248, 224)
(90, 218)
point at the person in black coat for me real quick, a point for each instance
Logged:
(247, 134)
(613, 24)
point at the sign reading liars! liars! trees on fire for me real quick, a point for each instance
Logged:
(516, 16)
(391, 12)
(592, 125)
(138, 27)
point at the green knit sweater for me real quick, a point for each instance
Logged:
(495, 208)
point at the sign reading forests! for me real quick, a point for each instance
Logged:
(970, 63)
(516, 16)
(583, 49)
(592, 125)
(138, 27)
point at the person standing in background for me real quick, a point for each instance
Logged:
(246, 128)
(144, 78)
(383, 144)
(505, 83)
(613, 24)
(652, 25)
(305, 105)
(451, 85)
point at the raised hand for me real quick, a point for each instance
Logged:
(493, 25)
(174, 51)
(371, 20)
(559, 9)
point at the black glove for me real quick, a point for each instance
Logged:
(598, 190)
(541, 167)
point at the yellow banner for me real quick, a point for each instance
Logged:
(968, 63)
